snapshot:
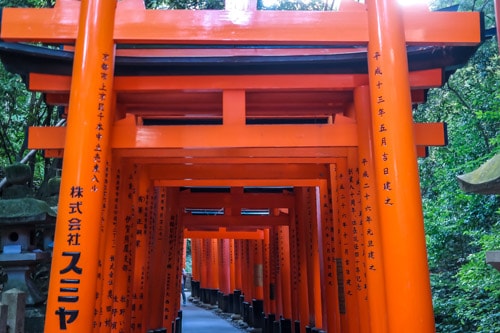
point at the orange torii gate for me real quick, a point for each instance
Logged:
(314, 104)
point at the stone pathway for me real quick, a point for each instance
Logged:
(196, 319)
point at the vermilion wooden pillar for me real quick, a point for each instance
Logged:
(196, 258)
(150, 236)
(224, 266)
(251, 269)
(371, 222)
(358, 246)
(232, 267)
(214, 264)
(208, 265)
(73, 284)
(346, 246)
(336, 187)
(238, 264)
(139, 279)
(251, 265)
(302, 258)
(172, 257)
(104, 229)
(309, 226)
(204, 263)
(269, 301)
(242, 268)
(157, 264)
(328, 238)
(107, 251)
(409, 301)
(258, 264)
(276, 270)
(122, 287)
(294, 265)
(284, 265)
(247, 271)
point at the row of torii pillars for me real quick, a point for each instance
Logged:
(343, 250)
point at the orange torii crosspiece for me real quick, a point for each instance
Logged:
(262, 27)
(273, 109)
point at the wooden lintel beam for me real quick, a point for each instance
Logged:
(57, 98)
(193, 221)
(149, 110)
(146, 160)
(318, 135)
(325, 155)
(59, 25)
(228, 171)
(58, 84)
(239, 182)
(156, 156)
(143, 157)
(208, 136)
(197, 137)
(54, 153)
(236, 200)
(430, 134)
(223, 233)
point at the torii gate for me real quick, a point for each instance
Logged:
(348, 237)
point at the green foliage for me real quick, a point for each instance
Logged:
(12, 117)
(27, 3)
(185, 4)
(21, 109)
(297, 5)
(189, 257)
(219, 4)
(484, 6)
(461, 227)
(480, 285)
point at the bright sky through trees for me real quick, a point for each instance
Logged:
(268, 3)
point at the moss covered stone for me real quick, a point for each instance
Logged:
(16, 192)
(24, 210)
(18, 173)
(53, 185)
(483, 180)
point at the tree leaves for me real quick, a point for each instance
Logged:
(461, 227)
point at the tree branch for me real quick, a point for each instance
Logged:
(476, 123)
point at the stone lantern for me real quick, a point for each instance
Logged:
(484, 180)
(22, 222)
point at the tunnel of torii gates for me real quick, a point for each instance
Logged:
(281, 143)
